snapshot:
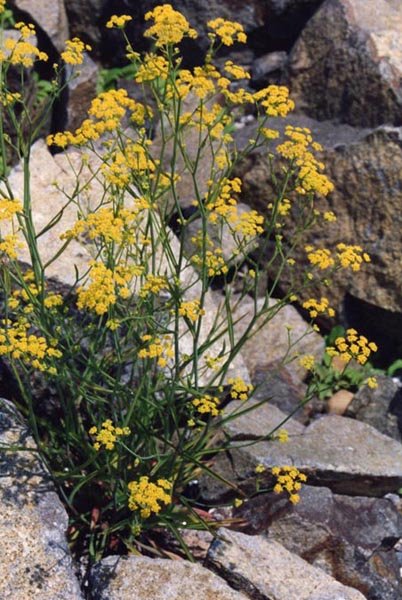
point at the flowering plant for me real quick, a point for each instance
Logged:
(139, 355)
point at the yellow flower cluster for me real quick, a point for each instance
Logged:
(213, 261)
(153, 285)
(329, 216)
(157, 348)
(282, 436)
(351, 256)
(17, 343)
(2, 6)
(289, 479)
(240, 390)
(74, 52)
(207, 405)
(318, 307)
(191, 310)
(152, 67)
(352, 346)
(212, 122)
(107, 435)
(372, 383)
(104, 223)
(9, 245)
(21, 51)
(170, 26)
(118, 21)
(275, 100)
(320, 257)
(228, 31)
(148, 497)
(9, 208)
(224, 205)
(249, 224)
(104, 288)
(307, 361)
(134, 160)
(106, 112)
(298, 149)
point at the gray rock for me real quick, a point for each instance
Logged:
(343, 454)
(258, 422)
(81, 91)
(349, 538)
(49, 15)
(268, 67)
(36, 563)
(118, 578)
(373, 406)
(349, 54)
(269, 345)
(265, 569)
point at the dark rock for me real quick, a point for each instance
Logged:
(267, 69)
(346, 64)
(352, 539)
(372, 406)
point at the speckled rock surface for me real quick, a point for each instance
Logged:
(142, 578)
(35, 561)
(348, 54)
(265, 569)
(49, 15)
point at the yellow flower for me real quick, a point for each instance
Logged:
(207, 405)
(240, 390)
(289, 479)
(191, 310)
(259, 469)
(148, 497)
(74, 52)
(307, 362)
(317, 307)
(118, 21)
(372, 383)
(228, 31)
(169, 27)
(108, 435)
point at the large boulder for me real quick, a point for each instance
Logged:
(347, 63)
(49, 15)
(351, 539)
(365, 167)
(35, 560)
(265, 569)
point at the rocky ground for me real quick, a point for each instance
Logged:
(342, 60)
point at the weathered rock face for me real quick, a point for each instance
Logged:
(367, 200)
(349, 538)
(35, 560)
(118, 578)
(347, 64)
(265, 569)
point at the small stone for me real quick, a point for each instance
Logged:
(339, 402)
